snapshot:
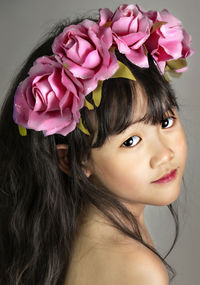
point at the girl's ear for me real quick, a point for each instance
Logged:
(62, 157)
(62, 150)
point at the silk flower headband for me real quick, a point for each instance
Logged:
(83, 56)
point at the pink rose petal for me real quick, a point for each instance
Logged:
(50, 99)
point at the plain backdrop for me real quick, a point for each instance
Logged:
(24, 22)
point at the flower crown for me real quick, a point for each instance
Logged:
(83, 56)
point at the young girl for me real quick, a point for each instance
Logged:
(90, 135)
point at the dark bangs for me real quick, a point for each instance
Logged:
(119, 99)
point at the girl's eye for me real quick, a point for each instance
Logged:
(168, 123)
(132, 141)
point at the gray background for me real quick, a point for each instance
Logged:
(22, 24)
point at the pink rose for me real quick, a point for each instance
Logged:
(130, 31)
(186, 44)
(49, 99)
(85, 48)
(169, 41)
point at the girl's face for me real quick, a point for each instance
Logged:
(128, 164)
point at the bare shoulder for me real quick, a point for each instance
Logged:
(143, 267)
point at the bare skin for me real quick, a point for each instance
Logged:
(101, 254)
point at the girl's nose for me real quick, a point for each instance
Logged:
(162, 154)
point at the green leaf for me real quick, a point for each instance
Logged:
(157, 25)
(22, 131)
(97, 94)
(82, 128)
(88, 105)
(123, 72)
(177, 64)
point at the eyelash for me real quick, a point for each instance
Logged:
(171, 117)
(131, 138)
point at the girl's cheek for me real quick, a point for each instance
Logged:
(182, 147)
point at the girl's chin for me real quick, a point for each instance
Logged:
(169, 199)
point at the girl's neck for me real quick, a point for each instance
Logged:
(98, 228)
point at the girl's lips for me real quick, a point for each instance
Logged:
(167, 178)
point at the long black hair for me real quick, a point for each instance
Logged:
(40, 206)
